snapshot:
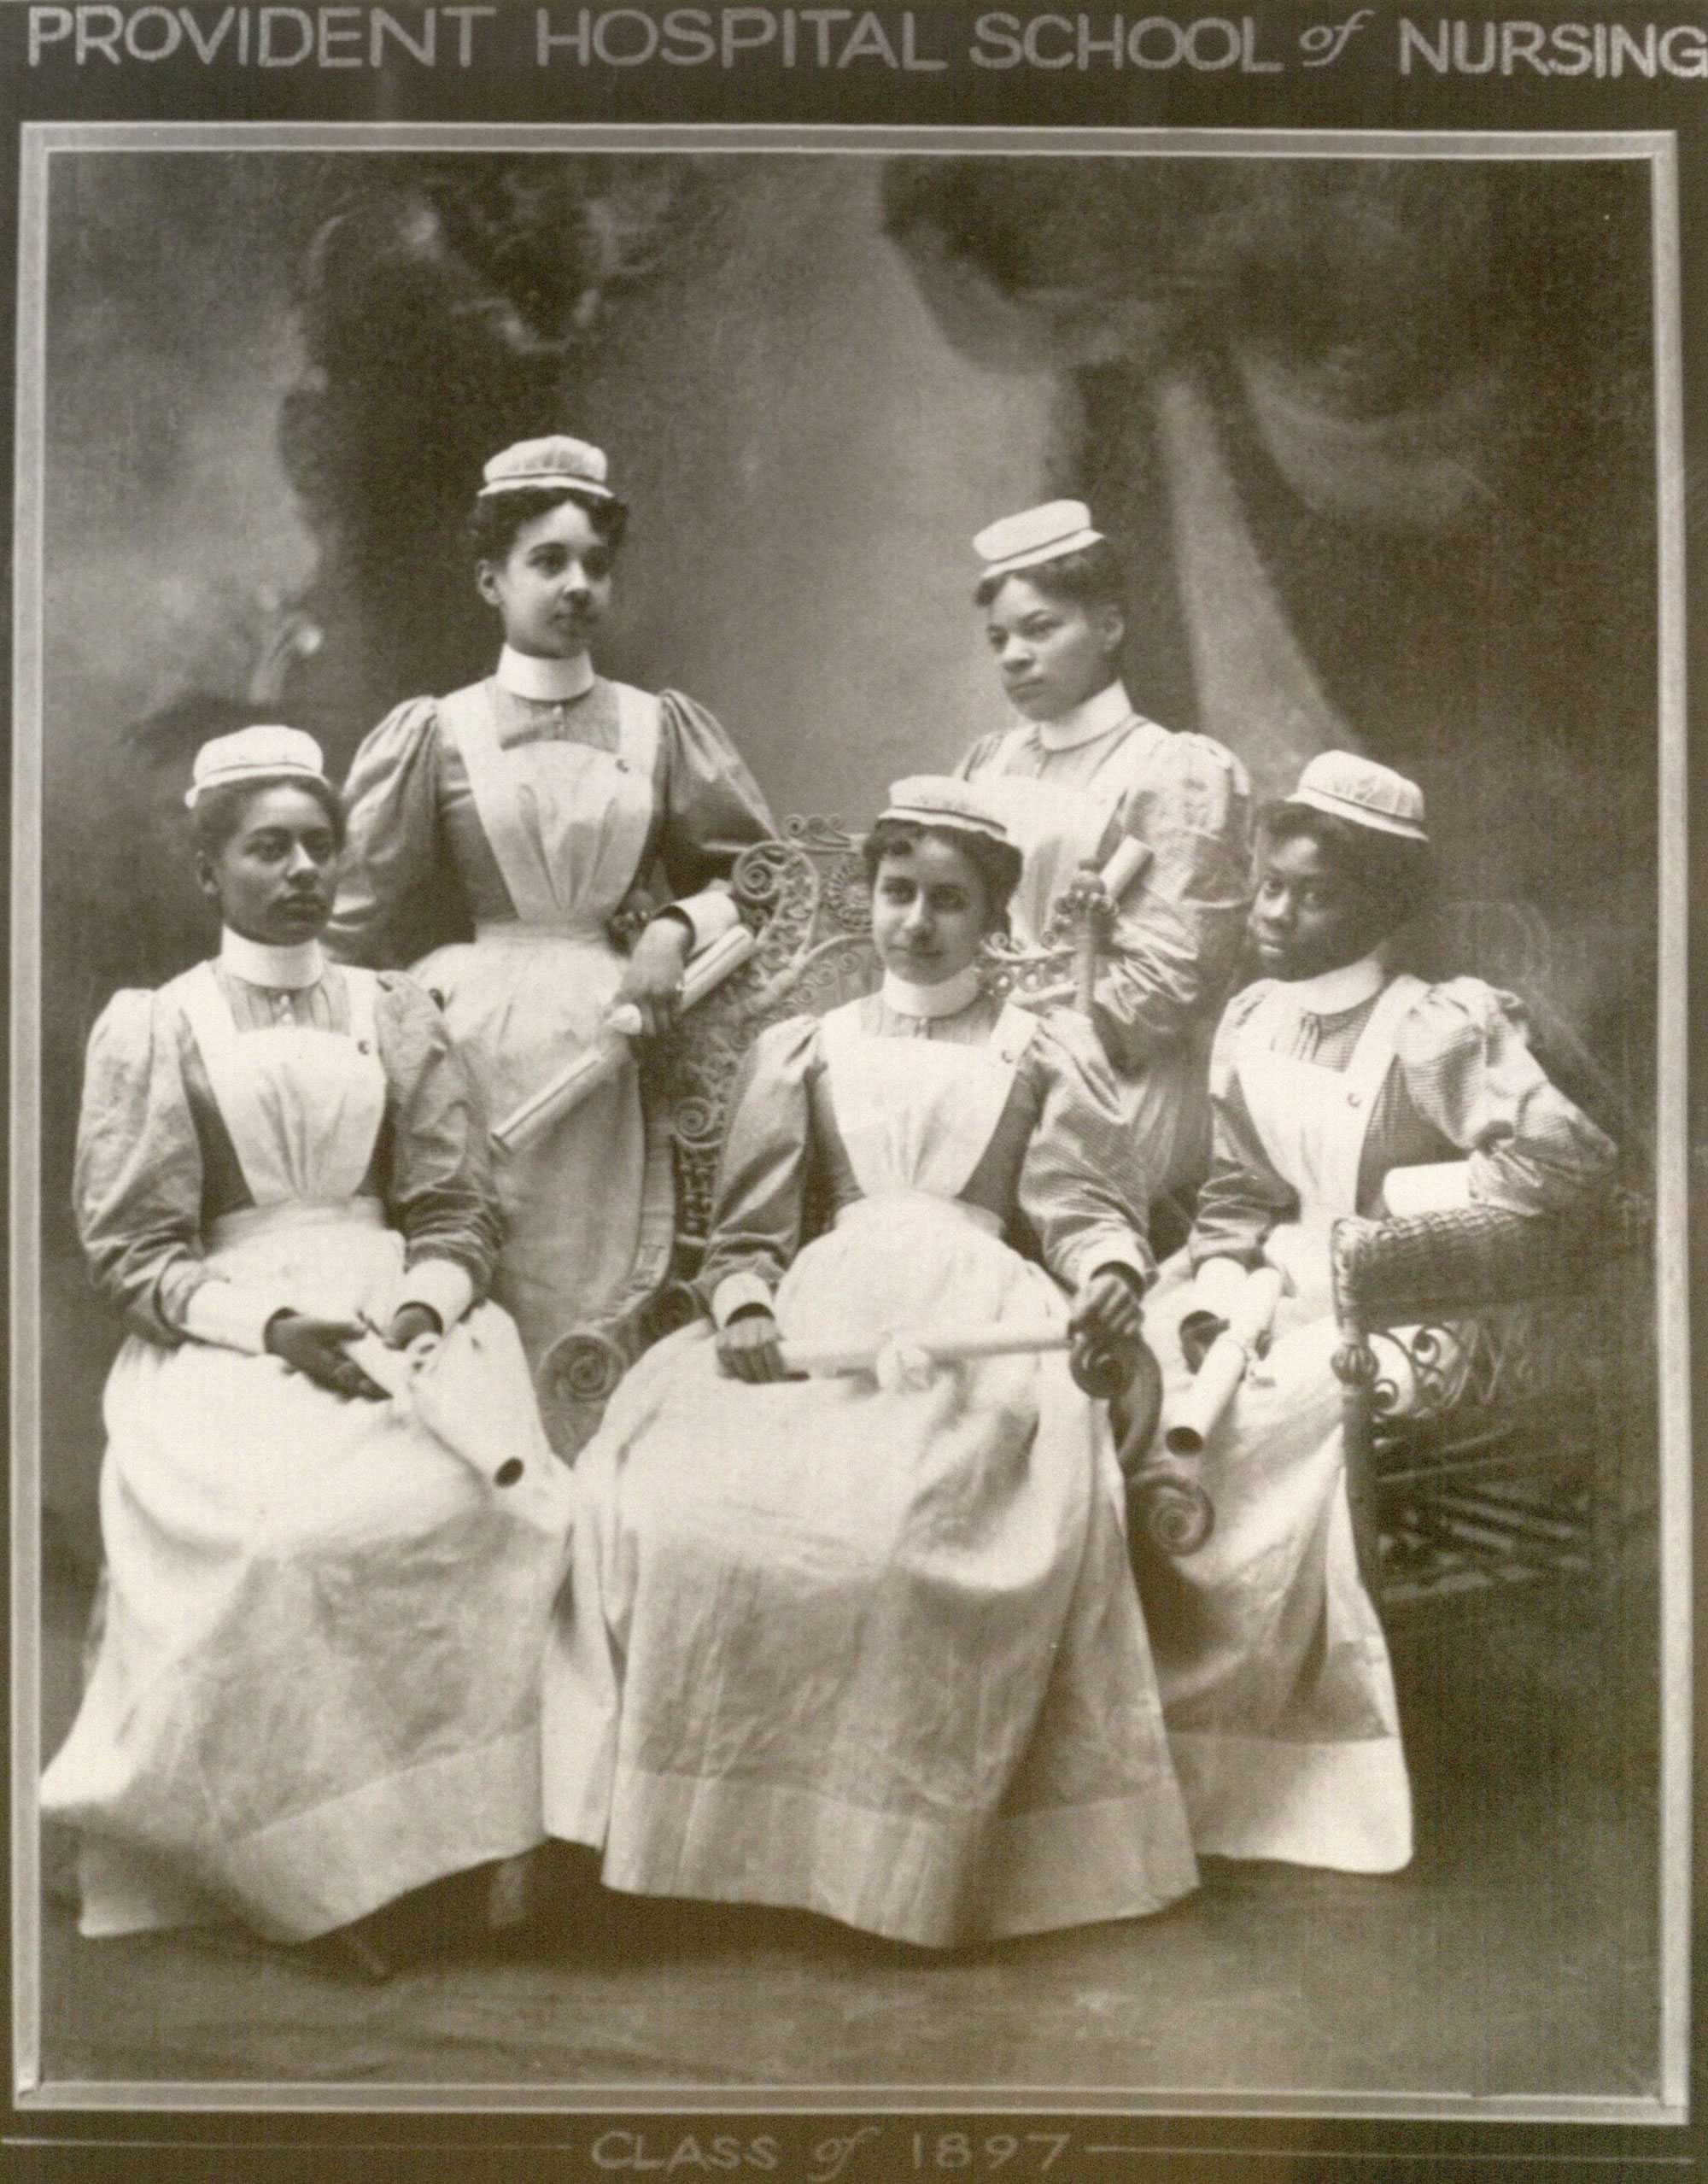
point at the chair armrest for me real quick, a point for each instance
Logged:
(1390, 1273)
(579, 1374)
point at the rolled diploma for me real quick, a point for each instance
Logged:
(942, 1345)
(396, 1370)
(1441, 1186)
(560, 1095)
(1127, 860)
(1224, 1364)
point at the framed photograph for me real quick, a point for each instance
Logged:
(1370, 343)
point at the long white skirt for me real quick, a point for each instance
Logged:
(582, 1200)
(316, 1683)
(1274, 1672)
(873, 1654)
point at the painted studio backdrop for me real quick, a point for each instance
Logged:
(1375, 435)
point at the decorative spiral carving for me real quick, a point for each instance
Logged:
(1385, 1396)
(1176, 1513)
(1126, 1369)
(757, 878)
(694, 1120)
(584, 1366)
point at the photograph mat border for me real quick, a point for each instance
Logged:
(1657, 148)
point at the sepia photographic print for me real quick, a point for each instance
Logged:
(1383, 431)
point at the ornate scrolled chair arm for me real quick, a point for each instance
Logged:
(582, 1368)
(1166, 1505)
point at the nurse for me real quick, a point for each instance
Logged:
(866, 1644)
(1340, 1086)
(1081, 771)
(315, 1684)
(531, 807)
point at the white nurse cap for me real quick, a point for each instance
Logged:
(1363, 793)
(1042, 534)
(255, 754)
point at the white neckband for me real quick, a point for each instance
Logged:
(548, 681)
(1332, 992)
(289, 969)
(1110, 708)
(948, 998)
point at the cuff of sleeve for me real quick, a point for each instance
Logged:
(711, 914)
(733, 1292)
(1218, 1286)
(230, 1313)
(441, 1285)
(1439, 1187)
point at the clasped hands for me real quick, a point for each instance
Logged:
(314, 1346)
(1107, 1312)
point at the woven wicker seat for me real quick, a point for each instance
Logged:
(1504, 1433)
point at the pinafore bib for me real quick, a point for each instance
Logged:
(568, 826)
(1313, 1121)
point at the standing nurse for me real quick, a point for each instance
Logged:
(1082, 770)
(534, 803)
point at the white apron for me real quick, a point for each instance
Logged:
(871, 1653)
(315, 1684)
(567, 826)
(1273, 1668)
(1057, 828)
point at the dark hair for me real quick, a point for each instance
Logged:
(1092, 576)
(998, 863)
(1396, 875)
(217, 813)
(497, 518)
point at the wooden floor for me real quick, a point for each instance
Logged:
(1517, 1956)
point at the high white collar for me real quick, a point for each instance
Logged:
(288, 970)
(1332, 992)
(1109, 709)
(548, 681)
(948, 998)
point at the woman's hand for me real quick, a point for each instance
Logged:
(315, 1348)
(652, 980)
(409, 1323)
(748, 1346)
(1108, 1312)
(1199, 1332)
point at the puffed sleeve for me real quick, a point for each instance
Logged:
(973, 761)
(438, 1181)
(712, 811)
(399, 895)
(1470, 1073)
(1242, 1197)
(1082, 1190)
(137, 1180)
(758, 1213)
(1178, 932)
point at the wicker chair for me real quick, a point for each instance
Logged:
(1503, 1433)
(806, 899)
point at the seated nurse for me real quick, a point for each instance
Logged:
(1338, 1086)
(868, 1645)
(315, 1684)
(1083, 771)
